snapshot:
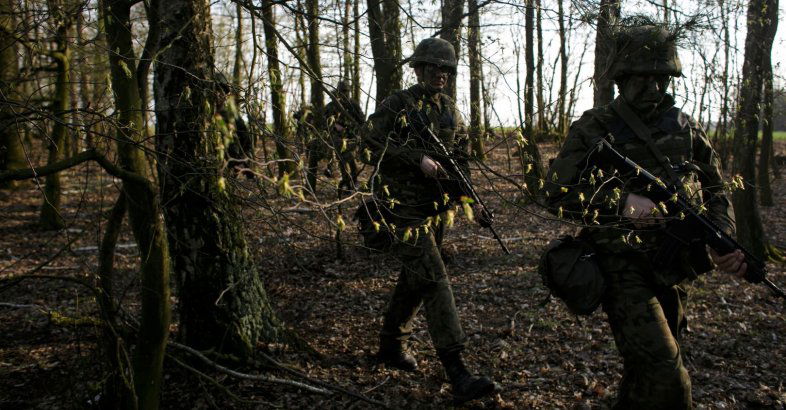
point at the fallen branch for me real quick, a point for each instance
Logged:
(240, 375)
(320, 383)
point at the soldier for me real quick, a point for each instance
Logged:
(408, 200)
(237, 141)
(643, 301)
(344, 119)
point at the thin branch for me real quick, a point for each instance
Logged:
(247, 376)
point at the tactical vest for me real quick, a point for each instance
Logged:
(417, 196)
(673, 135)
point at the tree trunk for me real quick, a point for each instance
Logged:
(608, 15)
(356, 57)
(563, 72)
(452, 13)
(475, 99)
(237, 68)
(144, 209)
(223, 305)
(11, 150)
(542, 125)
(278, 97)
(300, 38)
(762, 20)
(50, 217)
(765, 154)
(529, 61)
(385, 34)
(347, 73)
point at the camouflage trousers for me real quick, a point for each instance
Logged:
(646, 321)
(319, 150)
(423, 281)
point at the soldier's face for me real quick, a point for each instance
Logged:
(435, 77)
(644, 92)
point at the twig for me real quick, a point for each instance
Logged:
(240, 375)
(321, 383)
(377, 386)
(212, 381)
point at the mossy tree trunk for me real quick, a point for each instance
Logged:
(11, 150)
(223, 305)
(50, 217)
(144, 209)
(278, 97)
(762, 22)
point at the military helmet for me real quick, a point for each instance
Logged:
(645, 49)
(342, 87)
(434, 51)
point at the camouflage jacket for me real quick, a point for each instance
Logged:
(389, 144)
(578, 185)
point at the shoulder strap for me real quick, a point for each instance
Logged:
(643, 132)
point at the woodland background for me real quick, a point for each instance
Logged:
(154, 203)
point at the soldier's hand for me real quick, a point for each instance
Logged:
(641, 211)
(430, 167)
(733, 263)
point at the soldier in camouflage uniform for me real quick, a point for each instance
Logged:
(411, 206)
(344, 117)
(644, 301)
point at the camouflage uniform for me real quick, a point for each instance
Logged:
(342, 143)
(415, 207)
(644, 301)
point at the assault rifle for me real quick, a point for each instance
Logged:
(694, 227)
(418, 123)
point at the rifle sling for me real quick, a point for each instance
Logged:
(643, 132)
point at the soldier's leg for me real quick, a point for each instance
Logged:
(673, 302)
(654, 376)
(423, 280)
(314, 156)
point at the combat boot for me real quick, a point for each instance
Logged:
(466, 386)
(393, 354)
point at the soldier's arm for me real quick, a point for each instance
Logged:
(379, 140)
(717, 202)
(574, 187)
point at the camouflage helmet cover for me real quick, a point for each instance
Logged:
(645, 49)
(434, 51)
(342, 87)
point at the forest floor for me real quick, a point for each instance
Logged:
(541, 355)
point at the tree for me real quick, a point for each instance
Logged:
(11, 151)
(608, 15)
(529, 61)
(762, 22)
(223, 305)
(144, 209)
(563, 77)
(385, 35)
(475, 78)
(278, 98)
(62, 13)
(452, 15)
(766, 152)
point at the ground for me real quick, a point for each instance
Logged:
(541, 355)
